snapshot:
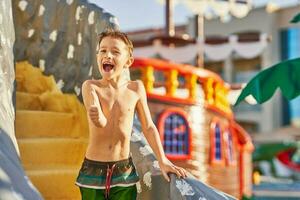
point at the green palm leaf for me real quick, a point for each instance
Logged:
(284, 75)
(296, 19)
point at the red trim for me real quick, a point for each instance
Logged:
(285, 158)
(243, 138)
(170, 99)
(213, 160)
(160, 125)
(245, 146)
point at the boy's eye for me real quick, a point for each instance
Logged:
(102, 51)
(116, 52)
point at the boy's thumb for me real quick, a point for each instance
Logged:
(166, 176)
(94, 95)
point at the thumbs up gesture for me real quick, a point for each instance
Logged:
(95, 111)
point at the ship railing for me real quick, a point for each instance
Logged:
(182, 83)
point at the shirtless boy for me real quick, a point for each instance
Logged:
(107, 171)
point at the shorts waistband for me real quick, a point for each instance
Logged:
(110, 163)
(103, 175)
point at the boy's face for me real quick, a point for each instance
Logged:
(112, 57)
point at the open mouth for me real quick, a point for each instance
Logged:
(107, 67)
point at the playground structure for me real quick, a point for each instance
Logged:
(197, 128)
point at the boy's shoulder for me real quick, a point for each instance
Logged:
(91, 82)
(87, 82)
(138, 87)
(137, 84)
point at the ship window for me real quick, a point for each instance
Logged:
(229, 150)
(216, 143)
(218, 146)
(175, 133)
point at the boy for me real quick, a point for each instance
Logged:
(107, 171)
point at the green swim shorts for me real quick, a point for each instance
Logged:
(107, 180)
(116, 193)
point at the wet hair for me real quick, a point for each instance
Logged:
(118, 35)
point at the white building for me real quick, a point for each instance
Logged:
(272, 114)
(275, 112)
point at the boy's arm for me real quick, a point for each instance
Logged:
(92, 104)
(151, 133)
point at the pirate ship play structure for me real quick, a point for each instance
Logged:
(196, 124)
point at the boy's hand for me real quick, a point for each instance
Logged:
(167, 167)
(94, 115)
(94, 111)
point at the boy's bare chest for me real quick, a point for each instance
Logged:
(121, 101)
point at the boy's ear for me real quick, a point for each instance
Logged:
(129, 61)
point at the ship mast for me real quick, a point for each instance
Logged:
(169, 30)
(199, 29)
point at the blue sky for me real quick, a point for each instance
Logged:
(139, 14)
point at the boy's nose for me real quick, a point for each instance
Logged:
(108, 54)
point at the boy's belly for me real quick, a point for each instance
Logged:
(108, 146)
(112, 142)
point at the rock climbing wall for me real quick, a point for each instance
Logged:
(60, 37)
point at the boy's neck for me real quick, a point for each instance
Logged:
(116, 83)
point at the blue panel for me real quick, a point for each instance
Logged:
(293, 51)
(295, 108)
(293, 39)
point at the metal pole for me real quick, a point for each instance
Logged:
(199, 35)
(170, 31)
